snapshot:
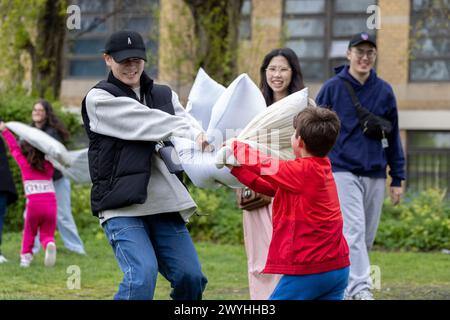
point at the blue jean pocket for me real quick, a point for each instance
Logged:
(114, 227)
(174, 221)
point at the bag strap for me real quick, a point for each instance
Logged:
(352, 93)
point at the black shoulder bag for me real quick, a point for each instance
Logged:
(373, 126)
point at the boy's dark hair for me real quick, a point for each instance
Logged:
(319, 128)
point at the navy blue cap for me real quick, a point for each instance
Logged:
(362, 37)
(124, 45)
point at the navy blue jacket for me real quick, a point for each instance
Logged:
(354, 151)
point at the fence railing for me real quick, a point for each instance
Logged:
(428, 168)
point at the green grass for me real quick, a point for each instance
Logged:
(404, 275)
(413, 275)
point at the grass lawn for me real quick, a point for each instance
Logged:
(403, 275)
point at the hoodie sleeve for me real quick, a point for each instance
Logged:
(394, 153)
(127, 119)
(324, 96)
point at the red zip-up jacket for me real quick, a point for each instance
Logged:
(307, 220)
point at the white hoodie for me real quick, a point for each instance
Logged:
(128, 119)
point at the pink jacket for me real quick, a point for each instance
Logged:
(35, 182)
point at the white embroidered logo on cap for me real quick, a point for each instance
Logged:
(129, 41)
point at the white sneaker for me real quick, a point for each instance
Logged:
(3, 259)
(363, 295)
(50, 255)
(25, 260)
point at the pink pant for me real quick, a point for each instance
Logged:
(257, 237)
(40, 215)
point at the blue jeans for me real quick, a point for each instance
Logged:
(320, 286)
(65, 223)
(145, 245)
(3, 199)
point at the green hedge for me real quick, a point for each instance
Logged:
(218, 218)
(421, 222)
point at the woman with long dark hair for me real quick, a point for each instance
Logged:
(44, 118)
(280, 76)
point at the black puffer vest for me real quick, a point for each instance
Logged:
(120, 169)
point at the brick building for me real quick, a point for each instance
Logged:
(413, 56)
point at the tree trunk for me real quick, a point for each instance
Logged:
(217, 30)
(47, 53)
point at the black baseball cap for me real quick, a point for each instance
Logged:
(124, 45)
(362, 37)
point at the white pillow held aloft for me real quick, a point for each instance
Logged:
(271, 130)
(51, 147)
(202, 97)
(234, 109)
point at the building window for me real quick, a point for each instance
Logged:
(428, 160)
(98, 20)
(319, 32)
(245, 23)
(430, 40)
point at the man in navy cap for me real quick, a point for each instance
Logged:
(142, 206)
(359, 161)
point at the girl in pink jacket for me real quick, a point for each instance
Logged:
(37, 174)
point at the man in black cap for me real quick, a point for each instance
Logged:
(142, 207)
(359, 159)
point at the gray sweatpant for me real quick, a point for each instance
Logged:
(361, 201)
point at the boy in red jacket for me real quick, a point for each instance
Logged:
(308, 246)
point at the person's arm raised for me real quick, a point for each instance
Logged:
(127, 119)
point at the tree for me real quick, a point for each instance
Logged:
(216, 29)
(47, 52)
(36, 27)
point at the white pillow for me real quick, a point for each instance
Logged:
(78, 171)
(234, 109)
(202, 97)
(42, 141)
(271, 130)
(200, 166)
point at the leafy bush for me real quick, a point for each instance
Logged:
(81, 210)
(218, 217)
(420, 223)
(17, 106)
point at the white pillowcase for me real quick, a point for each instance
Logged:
(53, 149)
(271, 130)
(200, 166)
(238, 111)
(223, 111)
(202, 97)
(78, 171)
(234, 109)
